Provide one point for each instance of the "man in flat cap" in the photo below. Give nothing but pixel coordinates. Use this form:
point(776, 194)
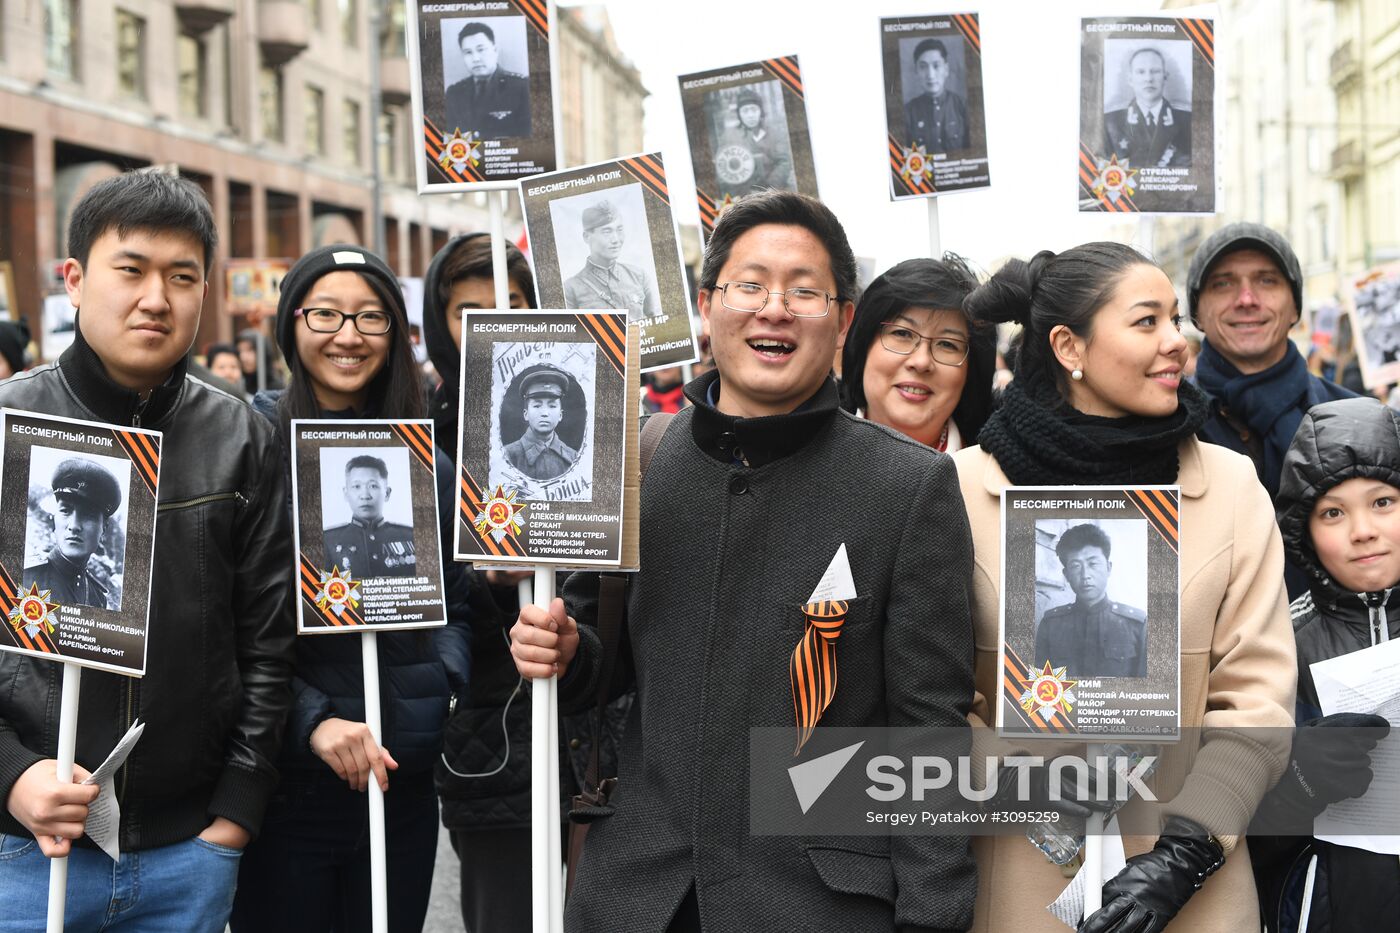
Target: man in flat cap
point(604, 282)
point(86, 495)
point(367, 545)
point(539, 453)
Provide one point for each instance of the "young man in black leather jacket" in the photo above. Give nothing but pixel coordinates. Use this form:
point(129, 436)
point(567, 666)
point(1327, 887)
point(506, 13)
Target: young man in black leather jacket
point(218, 667)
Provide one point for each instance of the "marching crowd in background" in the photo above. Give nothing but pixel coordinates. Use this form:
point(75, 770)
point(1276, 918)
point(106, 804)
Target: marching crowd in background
point(243, 802)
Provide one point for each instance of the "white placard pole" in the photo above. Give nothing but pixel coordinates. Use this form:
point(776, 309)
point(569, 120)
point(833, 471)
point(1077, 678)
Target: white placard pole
point(544, 787)
point(378, 871)
point(1093, 844)
point(497, 201)
point(67, 741)
point(935, 238)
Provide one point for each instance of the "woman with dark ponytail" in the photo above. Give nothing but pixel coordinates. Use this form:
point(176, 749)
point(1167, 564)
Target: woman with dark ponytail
point(1099, 399)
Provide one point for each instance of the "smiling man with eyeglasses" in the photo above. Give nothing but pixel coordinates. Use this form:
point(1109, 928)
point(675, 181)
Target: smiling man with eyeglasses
point(749, 494)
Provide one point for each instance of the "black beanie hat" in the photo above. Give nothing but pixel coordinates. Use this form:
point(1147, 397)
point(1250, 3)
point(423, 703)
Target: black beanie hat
point(338, 257)
point(14, 339)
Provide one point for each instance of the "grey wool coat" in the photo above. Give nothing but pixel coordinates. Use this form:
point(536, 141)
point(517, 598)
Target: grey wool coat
point(730, 553)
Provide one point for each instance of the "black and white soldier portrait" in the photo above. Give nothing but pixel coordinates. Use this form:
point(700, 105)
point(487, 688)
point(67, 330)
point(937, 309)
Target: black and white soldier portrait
point(749, 138)
point(486, 77)
point(1147, 102)
point(603, 236)
point(1099, 631)
point(935, 102)
point(1375, 319)
point(538, 452)
point(367, 511)
point(543, 414)
point(75, 539)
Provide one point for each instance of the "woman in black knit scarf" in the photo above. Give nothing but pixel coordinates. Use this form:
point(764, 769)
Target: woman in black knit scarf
point(1099, 399)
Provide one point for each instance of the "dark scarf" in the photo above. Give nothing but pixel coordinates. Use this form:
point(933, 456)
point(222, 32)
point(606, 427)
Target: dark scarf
point(113, 403)
point(1271, 403)
point(1039, 440)
point(755, 441)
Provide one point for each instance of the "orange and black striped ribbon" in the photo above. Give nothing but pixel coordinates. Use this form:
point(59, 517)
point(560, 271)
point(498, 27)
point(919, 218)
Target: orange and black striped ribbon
point(1088, 172)
point(709, 213)
point(144, 452)
point(1202, 35)
point(609, 331)
point(1016, 677)
point(813, 665)
point(10, 594)
point(537, 13)
point(915, 185)
point(786, 70)
point(433, 141)
point(418, 438)
point(1159, 507)
point(967, 24)
point(649, 170)
point(469, 505)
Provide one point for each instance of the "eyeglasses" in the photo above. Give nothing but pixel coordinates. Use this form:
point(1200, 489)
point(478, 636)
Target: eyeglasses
point(950, 351)
point(751, 299)
point(330, 321)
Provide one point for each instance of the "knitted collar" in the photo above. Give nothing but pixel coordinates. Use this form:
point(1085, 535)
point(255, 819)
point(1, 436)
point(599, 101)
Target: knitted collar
point(1039, 440)
point(756, 441)
point(82, 368)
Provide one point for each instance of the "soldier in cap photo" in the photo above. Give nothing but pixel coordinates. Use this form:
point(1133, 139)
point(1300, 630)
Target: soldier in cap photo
point(492, 102)
point(605, 282)
point(539, 453)
point(755, 155)
point(367, 545)
point(1092, 636)
point(85, 496)
point(936, 118)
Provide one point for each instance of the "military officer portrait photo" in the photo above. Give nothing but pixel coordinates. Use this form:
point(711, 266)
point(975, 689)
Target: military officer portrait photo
point(1376, 301)
point(544, 421)
point(935, 93)
point(75, 537)
point(1147, 102)
point(604, 248)
point(1099, 631)
point(367, 511)
point(749, 139)
point(486, 77)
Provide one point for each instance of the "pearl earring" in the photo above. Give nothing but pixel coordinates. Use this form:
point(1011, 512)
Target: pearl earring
point(1077, 374)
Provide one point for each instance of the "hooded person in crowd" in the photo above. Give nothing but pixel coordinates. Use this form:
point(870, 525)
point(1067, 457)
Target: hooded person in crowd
point(14, 347)
point(1339, 512)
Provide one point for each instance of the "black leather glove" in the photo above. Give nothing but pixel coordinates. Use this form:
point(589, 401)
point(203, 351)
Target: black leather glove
point(1153, 887)
point(1331, 761)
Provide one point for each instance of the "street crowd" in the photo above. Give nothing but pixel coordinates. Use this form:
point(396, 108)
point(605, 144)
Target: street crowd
point(243, 803)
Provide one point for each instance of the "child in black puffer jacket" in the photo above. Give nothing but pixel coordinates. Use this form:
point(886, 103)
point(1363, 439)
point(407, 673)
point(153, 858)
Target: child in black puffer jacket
point(1339, 512)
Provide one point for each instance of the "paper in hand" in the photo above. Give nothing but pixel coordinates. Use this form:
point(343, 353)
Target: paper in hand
point(836, 583)
point(1069, 906)
point(105, 813)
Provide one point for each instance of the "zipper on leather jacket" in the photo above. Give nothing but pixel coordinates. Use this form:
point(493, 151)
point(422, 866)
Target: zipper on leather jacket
point(202, 500)
point(129, 688)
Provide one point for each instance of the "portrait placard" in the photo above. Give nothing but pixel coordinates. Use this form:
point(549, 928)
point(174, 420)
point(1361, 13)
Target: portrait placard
point(365, 510)
point(604, 239)
point(747, 126)
point(1090, 628)
point(544, 435)
point(482, 84)
point(1147, 108)
point(85, 549)
point(1373, 307)
point(936, 126)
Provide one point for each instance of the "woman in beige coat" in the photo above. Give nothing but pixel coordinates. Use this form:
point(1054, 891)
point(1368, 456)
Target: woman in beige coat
point(1099, 399)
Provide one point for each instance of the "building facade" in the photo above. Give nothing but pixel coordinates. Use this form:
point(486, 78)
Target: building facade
point(1310, 136)
point(265, 103)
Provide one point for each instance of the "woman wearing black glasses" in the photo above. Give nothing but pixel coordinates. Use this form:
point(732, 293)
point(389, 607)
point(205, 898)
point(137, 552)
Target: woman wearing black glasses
point(343, 329)
point(914, 362)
